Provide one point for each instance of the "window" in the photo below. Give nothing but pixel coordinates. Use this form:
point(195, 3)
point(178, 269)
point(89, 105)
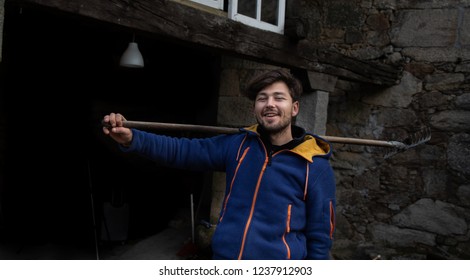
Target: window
point(263, 14)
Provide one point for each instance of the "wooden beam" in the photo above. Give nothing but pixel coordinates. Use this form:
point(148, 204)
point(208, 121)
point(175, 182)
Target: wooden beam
point(176, 21)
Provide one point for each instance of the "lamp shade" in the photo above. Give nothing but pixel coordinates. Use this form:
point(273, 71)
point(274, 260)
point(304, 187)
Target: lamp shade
point(132, 57)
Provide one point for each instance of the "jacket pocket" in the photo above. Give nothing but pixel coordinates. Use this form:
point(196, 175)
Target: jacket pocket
point(289, 209)
point(331, 217)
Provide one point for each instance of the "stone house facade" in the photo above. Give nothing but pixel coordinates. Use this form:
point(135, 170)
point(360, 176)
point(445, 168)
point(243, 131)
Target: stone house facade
point(413, 205)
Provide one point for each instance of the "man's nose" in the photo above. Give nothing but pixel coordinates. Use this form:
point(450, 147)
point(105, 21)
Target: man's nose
point(270, 102)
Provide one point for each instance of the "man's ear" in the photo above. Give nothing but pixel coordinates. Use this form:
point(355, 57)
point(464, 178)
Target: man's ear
point(295, 108)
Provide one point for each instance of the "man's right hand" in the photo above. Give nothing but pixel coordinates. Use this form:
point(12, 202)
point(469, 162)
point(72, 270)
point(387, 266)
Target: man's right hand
point(116, 130)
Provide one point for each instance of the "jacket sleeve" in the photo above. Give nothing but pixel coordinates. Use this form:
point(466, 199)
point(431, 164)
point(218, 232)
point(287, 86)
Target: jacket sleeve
point(198, 154)
point(321, 203)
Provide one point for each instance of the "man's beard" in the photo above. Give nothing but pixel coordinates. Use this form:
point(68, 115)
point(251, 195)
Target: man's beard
point(274, 128)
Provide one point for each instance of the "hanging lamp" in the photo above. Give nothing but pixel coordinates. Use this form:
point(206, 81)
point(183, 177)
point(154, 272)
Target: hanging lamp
point(132, 57)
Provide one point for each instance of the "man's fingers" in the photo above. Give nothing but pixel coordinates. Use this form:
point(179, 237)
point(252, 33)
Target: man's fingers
point(113, 120)
point(106, 130)
point(119, 130)
point(119, 119)
point(113, 123)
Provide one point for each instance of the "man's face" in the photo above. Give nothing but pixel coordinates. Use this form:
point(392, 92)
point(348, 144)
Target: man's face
point(274, 108)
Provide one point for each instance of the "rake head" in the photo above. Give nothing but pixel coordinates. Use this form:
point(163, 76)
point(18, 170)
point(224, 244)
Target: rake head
point(414, 139)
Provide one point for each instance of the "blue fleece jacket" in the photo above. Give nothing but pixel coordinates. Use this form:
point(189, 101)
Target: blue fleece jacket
point(279, 206)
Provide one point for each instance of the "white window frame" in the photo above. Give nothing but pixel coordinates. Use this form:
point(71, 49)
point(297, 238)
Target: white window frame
point(216, 4)
point(256, 22)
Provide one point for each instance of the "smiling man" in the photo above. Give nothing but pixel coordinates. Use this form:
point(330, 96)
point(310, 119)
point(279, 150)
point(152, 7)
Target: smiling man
point(274, 110)
point(280, 188)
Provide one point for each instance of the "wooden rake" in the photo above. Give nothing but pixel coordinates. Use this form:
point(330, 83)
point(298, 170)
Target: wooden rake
point(393, 147)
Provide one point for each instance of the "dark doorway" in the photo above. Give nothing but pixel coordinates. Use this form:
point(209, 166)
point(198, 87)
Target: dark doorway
point(59, 76)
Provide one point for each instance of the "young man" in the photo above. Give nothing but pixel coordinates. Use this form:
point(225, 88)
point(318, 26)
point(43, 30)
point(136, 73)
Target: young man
point(280, 194)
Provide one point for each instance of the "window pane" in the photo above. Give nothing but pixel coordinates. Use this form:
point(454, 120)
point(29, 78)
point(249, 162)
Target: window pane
point(269, 11)
point(247, 8)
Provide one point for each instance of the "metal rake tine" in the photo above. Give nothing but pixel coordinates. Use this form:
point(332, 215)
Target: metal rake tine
point(391, 152)
point(415, 139)
point(420, 137)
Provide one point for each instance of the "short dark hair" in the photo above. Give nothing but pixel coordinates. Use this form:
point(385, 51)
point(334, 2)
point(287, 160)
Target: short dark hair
point(265, 79)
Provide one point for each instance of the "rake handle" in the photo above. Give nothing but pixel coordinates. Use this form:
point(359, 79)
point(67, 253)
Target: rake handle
point(230, 130)
point(180, 127)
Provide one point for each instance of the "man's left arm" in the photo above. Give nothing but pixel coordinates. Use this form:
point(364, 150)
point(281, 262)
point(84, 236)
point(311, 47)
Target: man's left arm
point(320, 205)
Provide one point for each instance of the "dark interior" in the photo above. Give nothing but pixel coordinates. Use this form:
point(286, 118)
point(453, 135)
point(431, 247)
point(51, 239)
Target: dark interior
point(59, 76)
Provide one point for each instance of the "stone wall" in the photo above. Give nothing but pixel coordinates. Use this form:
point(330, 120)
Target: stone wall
point(415, 204)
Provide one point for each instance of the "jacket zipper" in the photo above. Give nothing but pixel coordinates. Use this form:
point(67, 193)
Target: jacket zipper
point(270, 155)
point(253, 203)
point(332, 219)
point(231, 183)
point(289, 210)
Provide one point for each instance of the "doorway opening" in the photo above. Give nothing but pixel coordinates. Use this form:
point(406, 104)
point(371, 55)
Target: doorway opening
point(64, 183)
